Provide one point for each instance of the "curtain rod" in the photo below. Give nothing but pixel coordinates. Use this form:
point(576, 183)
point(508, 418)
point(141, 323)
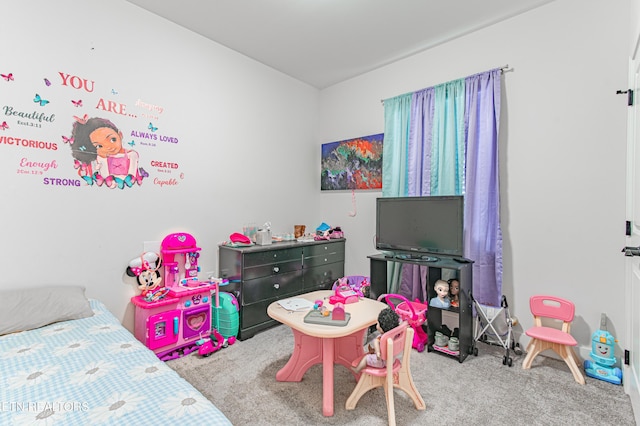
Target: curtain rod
point(503, 69)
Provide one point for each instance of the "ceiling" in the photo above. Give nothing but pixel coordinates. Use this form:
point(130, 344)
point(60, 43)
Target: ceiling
point(324, 42)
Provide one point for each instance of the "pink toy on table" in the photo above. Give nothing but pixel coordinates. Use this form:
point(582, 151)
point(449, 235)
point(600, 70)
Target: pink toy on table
point(338, 313)
point(349, 289)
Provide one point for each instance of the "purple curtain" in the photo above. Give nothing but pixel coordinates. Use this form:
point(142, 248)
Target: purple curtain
point(413, 277)
point(483, 235)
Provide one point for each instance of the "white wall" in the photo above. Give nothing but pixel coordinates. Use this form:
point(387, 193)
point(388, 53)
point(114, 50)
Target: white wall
point(250, 141)
point(246, 134)
point(563, 139)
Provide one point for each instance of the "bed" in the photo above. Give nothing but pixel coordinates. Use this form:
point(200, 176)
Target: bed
point(89, 370)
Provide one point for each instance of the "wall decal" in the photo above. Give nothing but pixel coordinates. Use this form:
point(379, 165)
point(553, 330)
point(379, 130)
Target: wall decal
point(97, 146)
point(352, 164)
point(69, 130)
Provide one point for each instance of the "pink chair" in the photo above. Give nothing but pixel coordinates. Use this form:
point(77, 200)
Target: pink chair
point(396, 373)
point(557, 339)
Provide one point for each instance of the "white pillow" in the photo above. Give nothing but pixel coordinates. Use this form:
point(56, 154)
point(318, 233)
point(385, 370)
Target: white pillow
point(30, 308)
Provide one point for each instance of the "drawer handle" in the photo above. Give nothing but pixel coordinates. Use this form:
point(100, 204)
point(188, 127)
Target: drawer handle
point(276, 286)
point(276, 269)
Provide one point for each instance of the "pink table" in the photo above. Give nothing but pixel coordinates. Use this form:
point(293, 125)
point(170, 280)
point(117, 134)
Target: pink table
point(326, 344)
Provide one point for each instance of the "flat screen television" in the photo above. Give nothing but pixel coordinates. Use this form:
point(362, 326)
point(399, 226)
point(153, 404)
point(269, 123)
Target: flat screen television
point(420, 227)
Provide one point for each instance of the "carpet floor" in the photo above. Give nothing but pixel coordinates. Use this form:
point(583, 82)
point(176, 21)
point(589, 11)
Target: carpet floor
point(240, 381)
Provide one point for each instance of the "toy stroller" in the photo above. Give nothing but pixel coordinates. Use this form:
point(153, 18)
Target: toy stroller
point(494, 330)
point(415, 313)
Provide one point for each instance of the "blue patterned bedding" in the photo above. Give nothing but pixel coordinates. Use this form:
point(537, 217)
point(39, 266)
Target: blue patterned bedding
point(93, 371)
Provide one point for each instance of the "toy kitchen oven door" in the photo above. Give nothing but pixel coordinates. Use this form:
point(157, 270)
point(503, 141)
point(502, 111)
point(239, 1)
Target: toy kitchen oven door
point(172, 333)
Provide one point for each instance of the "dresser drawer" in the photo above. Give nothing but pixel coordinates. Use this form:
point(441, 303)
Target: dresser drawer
point(324, 249)
point(271, 287)
point(274, 269)
point(255, 314)
point(322, 277)
point(272, 256)
point(310, 262)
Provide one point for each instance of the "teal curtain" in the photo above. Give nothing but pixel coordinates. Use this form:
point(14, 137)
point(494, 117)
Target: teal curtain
point(447, 152)
point(394, 166)
point(394, 149)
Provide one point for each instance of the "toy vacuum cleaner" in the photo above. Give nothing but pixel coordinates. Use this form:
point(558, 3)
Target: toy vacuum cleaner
point(602, 349)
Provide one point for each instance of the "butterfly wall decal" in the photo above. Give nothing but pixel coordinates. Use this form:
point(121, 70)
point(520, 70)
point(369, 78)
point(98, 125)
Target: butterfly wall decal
point(143, 172)
point(114, 92)
point(128, 181)
point(67, 140)
point(83, 168)
point(77, 103)
point(109, 180)
point(4, 125)
point(40, 100)
point(153, 129)
point(132, 143)
point(47, 82)
point(81, 120)
point(7, 77)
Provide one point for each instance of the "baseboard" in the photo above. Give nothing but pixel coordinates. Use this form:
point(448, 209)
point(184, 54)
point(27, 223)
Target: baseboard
point(632, 388)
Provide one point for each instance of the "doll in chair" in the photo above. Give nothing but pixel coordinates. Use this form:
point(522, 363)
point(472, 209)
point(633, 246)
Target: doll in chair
point(388, 319)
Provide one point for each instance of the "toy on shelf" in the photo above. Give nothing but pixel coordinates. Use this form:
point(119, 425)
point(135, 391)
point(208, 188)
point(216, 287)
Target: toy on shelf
point(602, 353)
point(441, 300)
point(454, 292)
point(171, 317)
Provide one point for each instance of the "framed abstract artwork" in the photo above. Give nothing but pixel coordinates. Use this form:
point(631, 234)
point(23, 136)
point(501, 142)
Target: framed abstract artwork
point(352, 163)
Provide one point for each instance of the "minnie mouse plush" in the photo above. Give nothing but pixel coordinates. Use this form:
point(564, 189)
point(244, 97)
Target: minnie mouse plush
point(147, 270)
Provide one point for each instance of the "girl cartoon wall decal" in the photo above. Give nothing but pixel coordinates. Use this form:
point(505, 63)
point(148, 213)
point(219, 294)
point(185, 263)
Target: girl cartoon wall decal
point(100, 156)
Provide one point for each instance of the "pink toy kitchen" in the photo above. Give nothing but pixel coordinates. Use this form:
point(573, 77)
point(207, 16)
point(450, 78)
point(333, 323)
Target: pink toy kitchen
point(175, 323)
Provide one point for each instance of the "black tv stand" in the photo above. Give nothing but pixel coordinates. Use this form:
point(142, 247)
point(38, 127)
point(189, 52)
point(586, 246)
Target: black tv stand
point(412, 256)
point(460, 317)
